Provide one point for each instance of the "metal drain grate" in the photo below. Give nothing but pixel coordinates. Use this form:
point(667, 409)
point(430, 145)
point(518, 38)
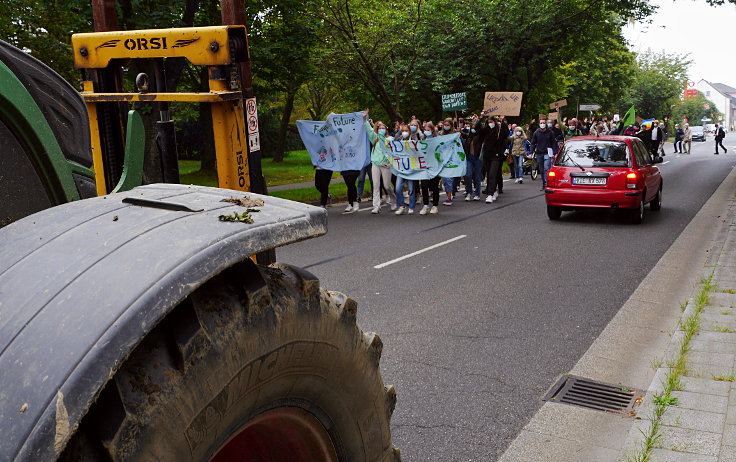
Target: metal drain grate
point(579, 391)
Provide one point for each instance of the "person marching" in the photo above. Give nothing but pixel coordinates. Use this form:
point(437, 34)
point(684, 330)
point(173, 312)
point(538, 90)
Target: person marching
point(474, 170)
point(518, 152)
point(688, 139)
point(494, 138)
point(380, 168)
point(405, 136)
point(431, 185)
point(679, 135)
point(543, 144)
point(720, 134)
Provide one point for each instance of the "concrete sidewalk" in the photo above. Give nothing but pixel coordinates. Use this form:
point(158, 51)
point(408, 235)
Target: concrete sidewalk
point(633, 351)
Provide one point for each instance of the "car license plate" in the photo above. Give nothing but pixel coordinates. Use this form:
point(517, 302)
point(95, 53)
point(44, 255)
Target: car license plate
point(589, 180)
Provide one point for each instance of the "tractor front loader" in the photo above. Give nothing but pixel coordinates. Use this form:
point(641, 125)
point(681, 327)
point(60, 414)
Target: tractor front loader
point(134, 323)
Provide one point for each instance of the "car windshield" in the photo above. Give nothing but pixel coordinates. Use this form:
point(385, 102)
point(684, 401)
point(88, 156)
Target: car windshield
point(697, 129)
point(594, 153)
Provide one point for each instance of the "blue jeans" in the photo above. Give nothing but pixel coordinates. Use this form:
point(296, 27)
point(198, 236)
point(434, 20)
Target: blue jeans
point(361, 178)
point(473, 175)
point(543, 168)
point(400, 192)
point(519, 166)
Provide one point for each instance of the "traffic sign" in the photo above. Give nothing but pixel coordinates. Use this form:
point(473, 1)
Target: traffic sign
point(590, 107)
point(251, 107)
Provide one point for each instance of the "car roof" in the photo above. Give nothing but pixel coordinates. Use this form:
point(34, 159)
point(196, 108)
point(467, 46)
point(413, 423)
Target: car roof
point(605, 138)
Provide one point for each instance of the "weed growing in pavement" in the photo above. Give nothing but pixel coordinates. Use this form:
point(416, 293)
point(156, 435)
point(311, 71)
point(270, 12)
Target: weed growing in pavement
point(683, 305)
point(656, 363)
point(724, 378)
point(724, 329)
point(673, 379)
point(726, 312)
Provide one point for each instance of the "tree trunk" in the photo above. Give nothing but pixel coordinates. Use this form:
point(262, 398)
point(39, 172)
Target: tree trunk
point(278, 153)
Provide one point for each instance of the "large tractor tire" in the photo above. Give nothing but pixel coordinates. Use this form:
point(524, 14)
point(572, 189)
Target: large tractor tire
point(258, 364)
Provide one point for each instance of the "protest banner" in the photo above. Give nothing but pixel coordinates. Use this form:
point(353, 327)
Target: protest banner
point(455, 102)
point(553, 116)
point(425, 159)
point(340, 143)
point(542, 117)
point(506, 103)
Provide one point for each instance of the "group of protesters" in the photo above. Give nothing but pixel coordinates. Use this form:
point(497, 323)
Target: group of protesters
point(488, 143)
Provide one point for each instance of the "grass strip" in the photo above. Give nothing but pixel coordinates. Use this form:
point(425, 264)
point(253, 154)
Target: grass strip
point(673, 379)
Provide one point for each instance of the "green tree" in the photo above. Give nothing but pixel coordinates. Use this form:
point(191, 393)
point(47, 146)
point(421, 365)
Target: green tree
point(658, 81)
point(695, 110)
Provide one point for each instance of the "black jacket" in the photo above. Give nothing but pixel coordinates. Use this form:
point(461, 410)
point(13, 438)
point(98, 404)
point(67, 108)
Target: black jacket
point(541, 140)
point(493, 139)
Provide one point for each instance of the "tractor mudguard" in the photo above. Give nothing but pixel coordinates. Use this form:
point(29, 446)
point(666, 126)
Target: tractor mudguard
point(82, 284)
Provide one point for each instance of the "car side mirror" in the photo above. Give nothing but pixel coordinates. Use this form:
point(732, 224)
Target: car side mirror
point(658, 160)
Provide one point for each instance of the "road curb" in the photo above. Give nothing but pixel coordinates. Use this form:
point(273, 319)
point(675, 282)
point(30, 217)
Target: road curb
point(625, 352)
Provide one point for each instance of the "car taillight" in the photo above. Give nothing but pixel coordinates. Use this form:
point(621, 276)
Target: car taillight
point(551, 179)
point(631, 180)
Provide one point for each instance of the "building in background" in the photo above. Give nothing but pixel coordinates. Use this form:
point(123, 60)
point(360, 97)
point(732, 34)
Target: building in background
point(724, 97)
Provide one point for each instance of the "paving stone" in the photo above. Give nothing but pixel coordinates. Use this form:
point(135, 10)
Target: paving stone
point(692, 441)
point(727, 327)
point(706, 386)
point(731, 416)
point(697, 344)
point(701, 402)
point(695, 420)
point(697, 358)
point(664, 455)
point(729, 435)
point(722, 299)
point(718, 314)
point(725, 337)
point(708, 371)
point(728, 454)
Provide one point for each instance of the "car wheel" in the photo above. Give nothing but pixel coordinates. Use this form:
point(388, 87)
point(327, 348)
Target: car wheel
point(656, 203)
point(637, 215)
point(554, 212)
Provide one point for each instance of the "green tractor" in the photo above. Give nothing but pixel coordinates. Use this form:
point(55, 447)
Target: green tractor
point(134, 323)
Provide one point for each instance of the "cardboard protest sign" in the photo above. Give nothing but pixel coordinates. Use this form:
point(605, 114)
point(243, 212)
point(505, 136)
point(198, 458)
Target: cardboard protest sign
point(340, 143)
point(553, 116)
point(425, 159)
point(455, 102)
point(507, 103)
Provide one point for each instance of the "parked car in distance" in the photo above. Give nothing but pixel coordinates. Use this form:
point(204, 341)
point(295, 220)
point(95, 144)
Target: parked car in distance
point(698, 133)
point(613, 172)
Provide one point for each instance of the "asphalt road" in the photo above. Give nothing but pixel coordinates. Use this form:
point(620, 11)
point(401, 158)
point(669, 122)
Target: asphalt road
point(476, 330)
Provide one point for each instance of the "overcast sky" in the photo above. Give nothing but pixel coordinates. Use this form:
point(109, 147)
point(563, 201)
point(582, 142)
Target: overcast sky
point(691, 26)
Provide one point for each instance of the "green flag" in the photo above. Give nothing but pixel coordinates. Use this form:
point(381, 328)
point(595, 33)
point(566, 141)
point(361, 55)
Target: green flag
point(629, 118)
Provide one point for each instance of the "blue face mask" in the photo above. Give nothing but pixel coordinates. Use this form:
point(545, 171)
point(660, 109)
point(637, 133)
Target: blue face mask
point(413, 128)
point(382, 131)
point(427, 133)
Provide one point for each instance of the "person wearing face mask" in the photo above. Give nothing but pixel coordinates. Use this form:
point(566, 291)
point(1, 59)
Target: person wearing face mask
point(431, 185)
point(679, 135)
point(474, 168)
point(543, 144)
point(494, 137)
point(448, 183)
point(572, 129)
point(406, 136)
point(654, 136)
point(380, 167)
point(518, 152)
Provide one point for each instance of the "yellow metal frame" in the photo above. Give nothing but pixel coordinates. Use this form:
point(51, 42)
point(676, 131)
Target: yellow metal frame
point(202, 46)
point(96, 50)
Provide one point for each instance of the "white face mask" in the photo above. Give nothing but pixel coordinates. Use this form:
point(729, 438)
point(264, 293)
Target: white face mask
point(405, 134)
point(472, 130)
point(447, 128)
point(518, 132)
point(492, 125)
point(549, 125)
point(427, 132)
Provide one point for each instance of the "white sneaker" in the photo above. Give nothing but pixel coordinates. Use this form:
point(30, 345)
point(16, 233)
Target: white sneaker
point(411, 212)
point(349, 209)
point(424, 210)
point(376, 210)
point(489, 199)
point(476, 198)
point(434, 210)
point(356, 207)
point(518, 180)
point(393, 207)
point(521, 180)
point(468, 197)
point(400, 210)
point(495, 195)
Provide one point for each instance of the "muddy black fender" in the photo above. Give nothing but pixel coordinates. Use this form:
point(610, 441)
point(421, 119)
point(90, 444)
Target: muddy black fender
point(81, 284)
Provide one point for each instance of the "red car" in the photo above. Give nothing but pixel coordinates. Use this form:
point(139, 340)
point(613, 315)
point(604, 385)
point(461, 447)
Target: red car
point(613, 172)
